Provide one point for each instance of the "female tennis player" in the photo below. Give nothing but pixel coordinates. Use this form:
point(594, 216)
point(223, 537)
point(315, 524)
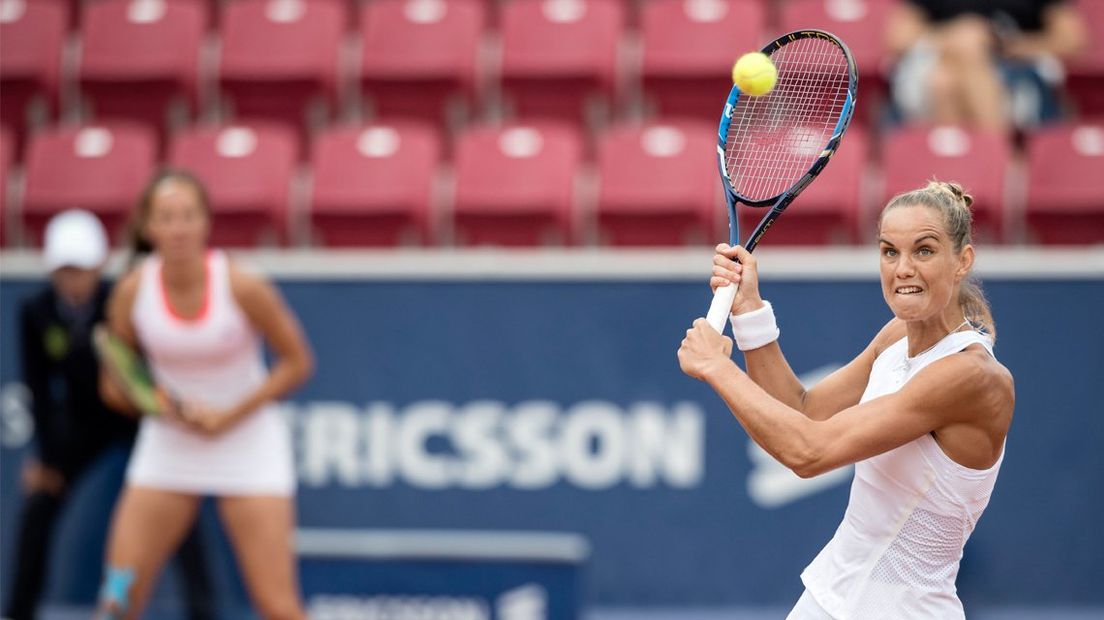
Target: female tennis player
point(922, 412)
point(200, 320)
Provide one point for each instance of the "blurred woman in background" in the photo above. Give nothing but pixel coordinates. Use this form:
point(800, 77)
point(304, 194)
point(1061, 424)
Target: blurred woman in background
point(201, 322)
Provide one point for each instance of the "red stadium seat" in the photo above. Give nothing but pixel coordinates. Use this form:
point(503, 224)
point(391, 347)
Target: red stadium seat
point(373, 185)
point(1086, 74)
point(7, 153)
point(32, 35)
point(828, 210)
point(689, 48)
point(659, 183)
point(977, 160)
point(418, 55)
point(280, 55)
point(248, 171)
point(139, 56)
point(861, 25)
point(99, 168)
point(557, 55)
point(515, 184)
point(1065, 199)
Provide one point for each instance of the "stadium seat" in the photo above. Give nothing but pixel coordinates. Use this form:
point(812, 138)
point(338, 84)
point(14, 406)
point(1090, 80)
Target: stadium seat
point(99, 168)
point(7, 153)
point(658, 183)
point(1086, 74)
point(689, 47)
point(977, 160)
point(280, 55)
point(828, 210)
point(1065, 199)
point(418, 55)
point(373, 185)
point(248, 171)
point(558, 55)
point(139, 56)
point(860, 23)
point(515, 184)
point(32, 36)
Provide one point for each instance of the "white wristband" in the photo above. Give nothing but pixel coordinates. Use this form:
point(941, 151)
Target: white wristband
point(755, 329)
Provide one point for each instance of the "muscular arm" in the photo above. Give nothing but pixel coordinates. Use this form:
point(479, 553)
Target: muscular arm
point(964, 388)
point(768, 368)
point(266, 310)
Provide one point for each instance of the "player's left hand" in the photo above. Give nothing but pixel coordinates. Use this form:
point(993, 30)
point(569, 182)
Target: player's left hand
point(205, 420)
point(703, 350)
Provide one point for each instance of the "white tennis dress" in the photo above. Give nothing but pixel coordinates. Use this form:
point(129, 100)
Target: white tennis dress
point(895, 556)
point(215, 360)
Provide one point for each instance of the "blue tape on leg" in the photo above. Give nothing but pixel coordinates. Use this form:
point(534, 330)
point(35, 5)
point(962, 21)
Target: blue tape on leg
point(116, 589)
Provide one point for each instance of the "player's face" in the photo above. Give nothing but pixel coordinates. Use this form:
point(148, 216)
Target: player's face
point(177, 223)
point(74, 285)
point(919, 265)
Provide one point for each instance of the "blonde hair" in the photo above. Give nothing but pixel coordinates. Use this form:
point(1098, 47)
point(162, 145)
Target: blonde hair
point(952, 201)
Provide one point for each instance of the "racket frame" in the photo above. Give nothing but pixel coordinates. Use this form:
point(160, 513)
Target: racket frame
point(720, 308)
point(103, 340)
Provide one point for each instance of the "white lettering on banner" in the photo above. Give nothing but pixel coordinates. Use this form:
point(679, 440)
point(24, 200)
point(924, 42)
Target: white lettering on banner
point(486, 444)
point(527, 602)
point(420, 422)
point(347, 607)
point(16, 421)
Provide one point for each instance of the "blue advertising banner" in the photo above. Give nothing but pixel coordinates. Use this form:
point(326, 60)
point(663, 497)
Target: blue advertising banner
point(559, 406)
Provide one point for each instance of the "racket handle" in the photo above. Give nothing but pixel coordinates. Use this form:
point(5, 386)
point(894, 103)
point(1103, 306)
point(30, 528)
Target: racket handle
point(721, 307)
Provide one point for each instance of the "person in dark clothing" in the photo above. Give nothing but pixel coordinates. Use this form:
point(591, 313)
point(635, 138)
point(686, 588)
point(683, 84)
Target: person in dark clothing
point(988, 64)
point(73, 426)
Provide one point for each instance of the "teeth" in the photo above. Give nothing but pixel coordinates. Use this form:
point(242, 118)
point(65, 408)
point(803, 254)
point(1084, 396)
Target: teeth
point(907, 290)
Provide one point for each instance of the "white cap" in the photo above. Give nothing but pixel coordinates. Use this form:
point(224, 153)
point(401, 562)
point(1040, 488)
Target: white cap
point(75, 238)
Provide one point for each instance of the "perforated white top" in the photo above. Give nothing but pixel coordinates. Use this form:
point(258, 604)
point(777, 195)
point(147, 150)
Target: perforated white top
point(896, 553)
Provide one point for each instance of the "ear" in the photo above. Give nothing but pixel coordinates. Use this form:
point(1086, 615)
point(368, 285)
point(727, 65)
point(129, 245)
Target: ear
point(965, 262)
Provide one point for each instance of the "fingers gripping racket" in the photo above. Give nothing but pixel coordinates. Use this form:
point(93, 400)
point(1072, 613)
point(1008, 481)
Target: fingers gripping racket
point(129, 371)
point(769, 148)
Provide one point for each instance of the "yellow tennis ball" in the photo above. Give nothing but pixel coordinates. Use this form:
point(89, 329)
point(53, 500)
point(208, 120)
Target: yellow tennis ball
point(755, 74)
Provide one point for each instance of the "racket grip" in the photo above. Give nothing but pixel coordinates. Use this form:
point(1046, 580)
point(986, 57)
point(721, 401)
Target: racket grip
point(721, 307)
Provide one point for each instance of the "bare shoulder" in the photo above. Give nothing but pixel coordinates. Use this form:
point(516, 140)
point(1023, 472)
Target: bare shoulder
point(891, 332)
point(125, 291)
point(246, 282)
point(971, 383)
point(253, 291)
point(990, 376)
point(121, 303)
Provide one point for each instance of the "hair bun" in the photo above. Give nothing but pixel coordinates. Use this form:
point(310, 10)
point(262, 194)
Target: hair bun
point(954, 189)
point(959, 193)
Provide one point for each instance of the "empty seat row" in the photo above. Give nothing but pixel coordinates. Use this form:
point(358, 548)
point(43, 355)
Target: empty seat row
point(414, 57)
point(531, 184)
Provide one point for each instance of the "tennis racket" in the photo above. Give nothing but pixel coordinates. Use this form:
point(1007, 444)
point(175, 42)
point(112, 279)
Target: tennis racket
point(129, 371)
point(769, 148)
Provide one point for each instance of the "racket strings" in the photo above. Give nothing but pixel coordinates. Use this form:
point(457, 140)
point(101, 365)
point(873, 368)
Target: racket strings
point(774, 139)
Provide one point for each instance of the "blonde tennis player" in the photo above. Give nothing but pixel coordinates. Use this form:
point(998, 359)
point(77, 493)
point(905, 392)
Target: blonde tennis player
point(922, 412)
point(201, 322)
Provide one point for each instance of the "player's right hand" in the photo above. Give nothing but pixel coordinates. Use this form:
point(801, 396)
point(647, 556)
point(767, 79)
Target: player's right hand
point(735, 265)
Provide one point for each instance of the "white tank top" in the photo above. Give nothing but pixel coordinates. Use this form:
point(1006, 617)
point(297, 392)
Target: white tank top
point(896, 553)
point(215, 359)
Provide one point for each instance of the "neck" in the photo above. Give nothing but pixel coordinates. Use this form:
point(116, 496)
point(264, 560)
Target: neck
point(182, 273)
point(924, 334)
